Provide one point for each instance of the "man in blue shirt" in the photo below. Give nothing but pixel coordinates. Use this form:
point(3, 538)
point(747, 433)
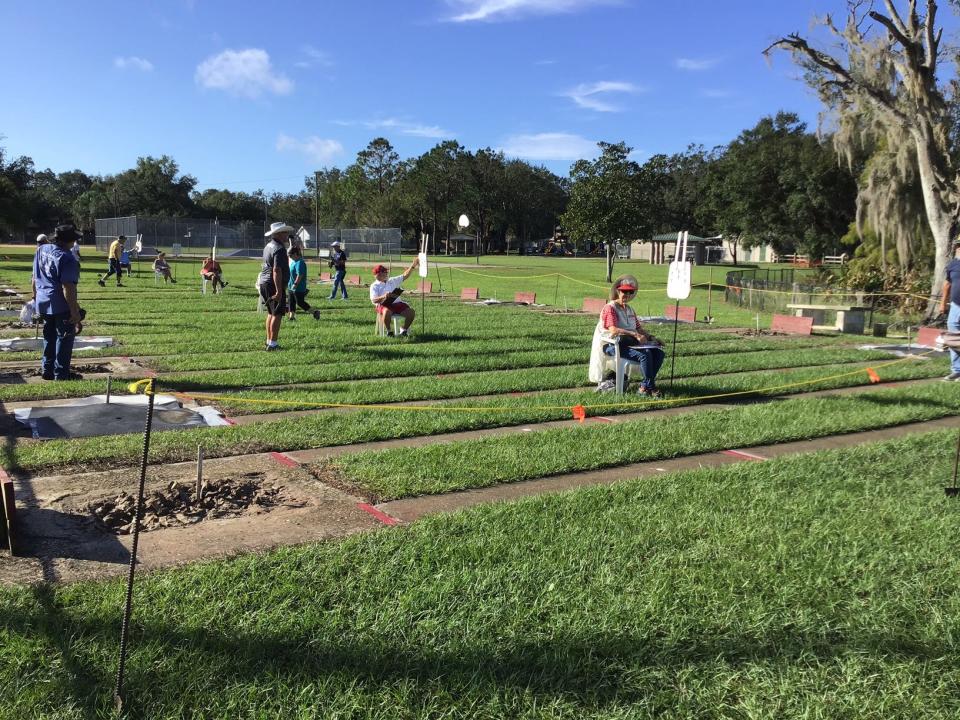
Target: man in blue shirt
point(55, 276)
point(950, 304)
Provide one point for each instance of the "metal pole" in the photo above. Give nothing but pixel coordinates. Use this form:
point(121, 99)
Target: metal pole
point(316, 208)
point(710, 298)
point(556, 290)
point(673, 353)
point(953, 490)
point(138, 516)
point(199, 472)
point(109, 383)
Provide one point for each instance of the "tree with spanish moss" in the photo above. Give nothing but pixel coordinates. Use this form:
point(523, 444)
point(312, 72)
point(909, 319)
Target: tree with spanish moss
point(895, 115)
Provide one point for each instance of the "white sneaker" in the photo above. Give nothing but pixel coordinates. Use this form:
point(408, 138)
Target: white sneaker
point(403, 331)
point(952, 377)
point(606, 386)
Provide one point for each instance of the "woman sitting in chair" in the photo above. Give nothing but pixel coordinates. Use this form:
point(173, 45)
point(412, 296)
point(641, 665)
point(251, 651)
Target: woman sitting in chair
point(162, 268)
point(620, 326)
point(210, 270)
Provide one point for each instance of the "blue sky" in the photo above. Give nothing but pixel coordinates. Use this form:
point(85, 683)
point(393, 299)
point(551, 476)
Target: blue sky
point(248, 95)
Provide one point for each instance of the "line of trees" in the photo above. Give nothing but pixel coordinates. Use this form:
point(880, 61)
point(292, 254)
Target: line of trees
point(776, 183)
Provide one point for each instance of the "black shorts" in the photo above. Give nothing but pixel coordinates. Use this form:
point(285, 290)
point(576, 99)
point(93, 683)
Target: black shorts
point(275, 307)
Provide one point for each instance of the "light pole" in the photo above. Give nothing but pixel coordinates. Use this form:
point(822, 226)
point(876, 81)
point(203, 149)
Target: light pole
point(463, 222)
point(316, 208)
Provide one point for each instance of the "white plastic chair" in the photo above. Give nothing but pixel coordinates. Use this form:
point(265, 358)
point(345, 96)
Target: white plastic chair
point(203, 290)
point(381, 328)
point(622, 366)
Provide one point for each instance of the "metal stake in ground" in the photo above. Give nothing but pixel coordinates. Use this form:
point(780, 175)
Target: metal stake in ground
point(148, 389)
point(678, 288)
point(673, 352)
point(953, 490)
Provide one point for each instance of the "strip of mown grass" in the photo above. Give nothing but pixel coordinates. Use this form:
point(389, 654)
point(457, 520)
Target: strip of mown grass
point(329, 351)
point(526, 380)
point(801, 587)
point(488, 461)
point(345, 428)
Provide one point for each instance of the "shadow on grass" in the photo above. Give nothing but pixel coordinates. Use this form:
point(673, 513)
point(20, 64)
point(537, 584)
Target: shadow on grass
point(591, 669)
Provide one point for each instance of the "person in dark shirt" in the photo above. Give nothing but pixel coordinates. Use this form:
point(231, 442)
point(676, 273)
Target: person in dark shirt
point(55, 276)
point(950, 305)
point(273, 280)
point(338, 261)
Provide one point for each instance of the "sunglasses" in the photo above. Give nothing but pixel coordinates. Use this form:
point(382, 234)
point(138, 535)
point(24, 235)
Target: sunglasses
point(625, 291)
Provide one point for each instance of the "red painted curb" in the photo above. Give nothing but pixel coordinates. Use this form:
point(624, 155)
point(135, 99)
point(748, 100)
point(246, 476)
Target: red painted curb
point(742, 454)
point(381, 516)
point(284, 459)
point(228, 421)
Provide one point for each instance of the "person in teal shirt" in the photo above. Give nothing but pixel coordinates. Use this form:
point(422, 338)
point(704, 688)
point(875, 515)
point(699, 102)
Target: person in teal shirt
point(297, 286)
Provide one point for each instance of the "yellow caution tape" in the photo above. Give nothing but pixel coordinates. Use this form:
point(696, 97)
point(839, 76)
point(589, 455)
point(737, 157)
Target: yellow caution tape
point(871, 373)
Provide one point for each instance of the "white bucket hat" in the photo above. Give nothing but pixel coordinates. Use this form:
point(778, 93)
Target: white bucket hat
point(278, 227)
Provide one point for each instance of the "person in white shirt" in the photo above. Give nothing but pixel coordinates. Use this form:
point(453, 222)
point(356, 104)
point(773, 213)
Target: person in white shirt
point(384, 298)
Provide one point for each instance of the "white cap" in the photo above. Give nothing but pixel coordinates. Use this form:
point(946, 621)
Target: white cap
point(41, 239)
point(335, 243)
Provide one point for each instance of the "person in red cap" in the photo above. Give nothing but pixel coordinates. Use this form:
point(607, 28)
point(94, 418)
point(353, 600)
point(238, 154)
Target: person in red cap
point(620, 324)
point(384, 292)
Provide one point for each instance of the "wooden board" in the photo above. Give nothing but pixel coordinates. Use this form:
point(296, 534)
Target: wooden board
point(354, 280)
point(470, 294)
point(525, 297)
point(790, 325)
point(685, 314)
point(593, 305)
point(325, 277)
point(927, 336)
point(425, 286)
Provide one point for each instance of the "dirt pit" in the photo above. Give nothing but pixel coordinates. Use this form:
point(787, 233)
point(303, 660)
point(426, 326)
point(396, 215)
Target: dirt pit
point(177, 504)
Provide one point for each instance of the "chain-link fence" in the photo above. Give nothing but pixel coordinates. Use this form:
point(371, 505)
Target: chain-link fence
point(242, 239)
point(772, 290)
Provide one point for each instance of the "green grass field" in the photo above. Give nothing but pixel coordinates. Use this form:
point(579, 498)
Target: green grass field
point(801, 587)
point(811, 586)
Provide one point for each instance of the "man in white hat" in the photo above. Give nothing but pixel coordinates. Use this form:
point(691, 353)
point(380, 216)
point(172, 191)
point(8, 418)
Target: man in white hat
point(338, 261)
point(274, 276)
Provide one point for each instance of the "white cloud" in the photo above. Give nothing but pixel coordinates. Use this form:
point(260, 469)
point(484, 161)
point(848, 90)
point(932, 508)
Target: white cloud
point(247, 73)
point(473, 10)
point(321, 150)
point(410, 128)
point(696, 65)
point(586, 95)
point(133, 63)
point(549, 146)
point(404, 127)
point(312, 57)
